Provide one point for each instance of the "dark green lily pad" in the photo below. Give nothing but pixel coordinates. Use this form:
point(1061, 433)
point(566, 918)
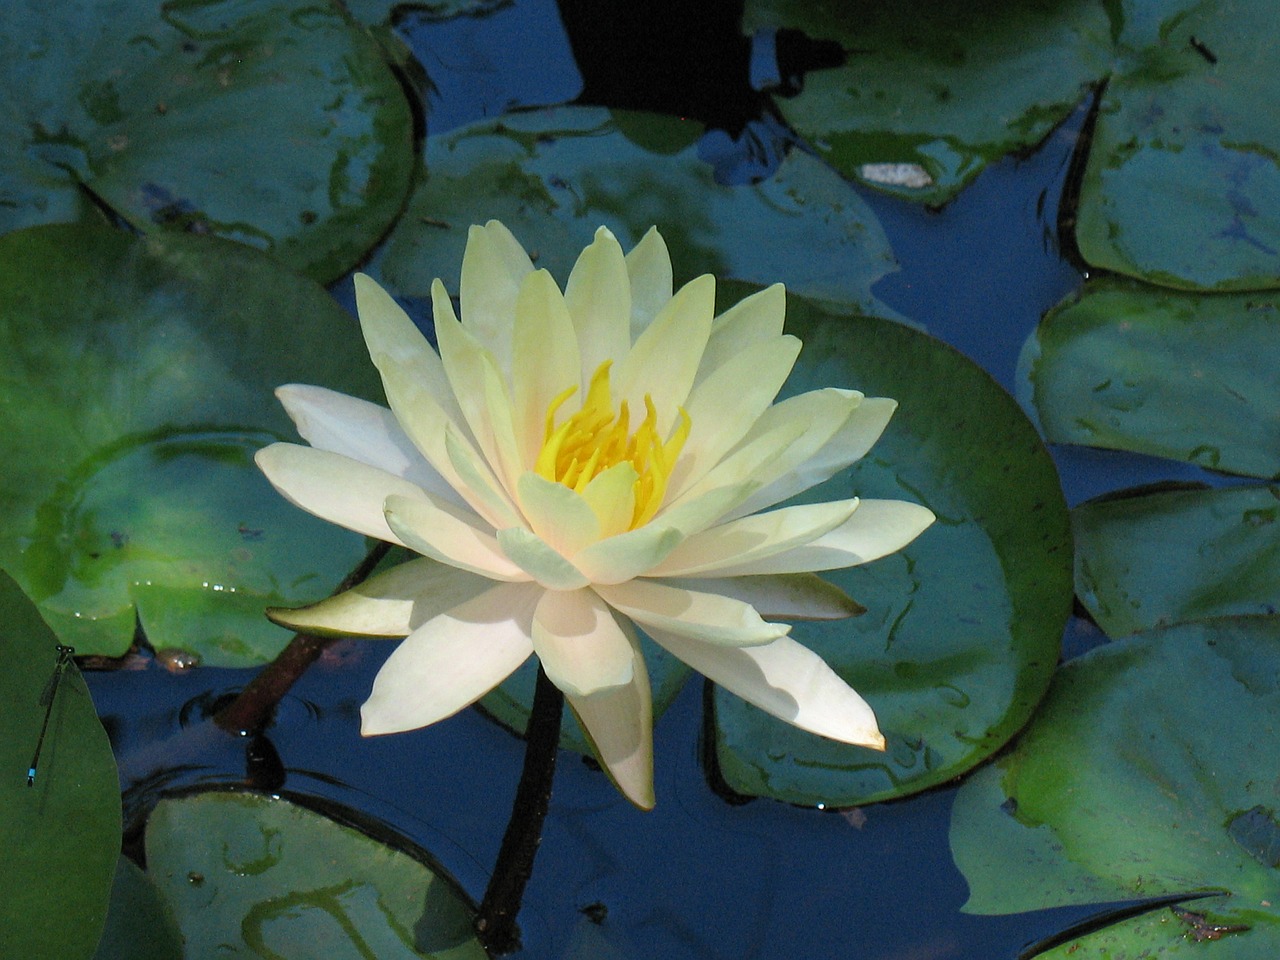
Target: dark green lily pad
point(139, 924)
point(1128, 366)
point(137, 378)
point(1144, 774)
point(554, 176)
point(261, 876)
point(1183, 179)
point(272, 122)
point(963, 627)
point(61, 832)
point(1165, 558)
point(940, 90)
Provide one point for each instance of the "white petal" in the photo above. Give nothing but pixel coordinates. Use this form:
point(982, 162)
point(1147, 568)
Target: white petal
point(393, 603)
point(335, 488)
point(547, 345)
point(493, 266)
point(790, 596)
point(579, 642)
point(452, 660)
point(756, 318)
point(361, 430)
point(787, 680)
point(560, 516)
point(649, 267)
point(690, 613)
point(437, 529)
point(539, 560)
point(611, 494)
point(877, 528)
point(618, 722)
point(598, 295)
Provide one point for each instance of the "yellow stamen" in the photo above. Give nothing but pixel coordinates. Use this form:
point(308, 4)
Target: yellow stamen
point(594, 439)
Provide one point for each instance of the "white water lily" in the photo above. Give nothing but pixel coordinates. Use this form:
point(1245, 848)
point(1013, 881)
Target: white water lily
point(572, 465)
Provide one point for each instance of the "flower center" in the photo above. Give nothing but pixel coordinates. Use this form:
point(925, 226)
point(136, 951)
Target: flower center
point(595, 439)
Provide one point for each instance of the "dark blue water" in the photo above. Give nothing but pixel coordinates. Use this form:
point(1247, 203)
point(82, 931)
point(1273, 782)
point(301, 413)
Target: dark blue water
point(698, 877)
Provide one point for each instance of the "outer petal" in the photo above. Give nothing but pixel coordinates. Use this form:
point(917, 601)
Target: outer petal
point(619, 723)
point(877, 528)
point(335, 488)
point(649, 266)
point(754, 538)
point(391, 604)
point(792, 596)
point(547, 345)
point(452, 660)
point(441, 531)
point(787, 680)
point(598, 295)
point(493, 266)
point(664, 360)
point(580, 644)
point(707, 617)
point(756, 318)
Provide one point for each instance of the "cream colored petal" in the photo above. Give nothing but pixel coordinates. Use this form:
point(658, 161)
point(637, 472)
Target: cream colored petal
point(443, 532)
point(787, 680)
point(792, 596)
point(664, 360)
point(561, 517)
point(611, 494)
point(539, 560)
point(393, 603)
point(846, 446)
point(478, 484)
point(690, 613)
point(649, 267)
point(361, 430)
point(452, 660)
point(754, 538)
point(579, 642)
point(877, 528)
point(618, 722)
point(335, 488)
point(547, 346)
point(752, 320)
point(493, 267)
point(726, 405)
point(598, 295)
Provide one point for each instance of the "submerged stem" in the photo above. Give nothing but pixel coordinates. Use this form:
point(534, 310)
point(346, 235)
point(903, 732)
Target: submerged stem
point(496, 920)
point(251, 710)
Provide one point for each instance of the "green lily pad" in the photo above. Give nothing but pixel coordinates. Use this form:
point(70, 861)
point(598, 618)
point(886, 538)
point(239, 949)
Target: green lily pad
point(1128, 366)
point(60, 832)
point(1164, 558)
point(272, 122)
point(1183, 176)
point(139, 924)
point(260, 876)
point(931, 94)
point(376, 12)
point(1144, 774)
point(137, 377)
point(553, 176)
point(963, 627)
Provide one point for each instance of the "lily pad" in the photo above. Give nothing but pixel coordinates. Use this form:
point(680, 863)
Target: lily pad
point(376, 12)
point(553, 176)
point(1144, 774)
point(137, 377)
point(937, 91)
point(1183, 178)
point(260, 876)
point(272, 122)
point(963, 626)
point(61, 831)
point(1165, 558)
point(1128, 366)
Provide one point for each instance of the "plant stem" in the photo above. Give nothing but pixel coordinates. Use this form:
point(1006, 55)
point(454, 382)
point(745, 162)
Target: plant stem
point(252, 708)
point(495, 923)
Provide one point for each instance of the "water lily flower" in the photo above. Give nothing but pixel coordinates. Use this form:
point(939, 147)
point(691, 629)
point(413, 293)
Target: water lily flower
point(573, 465)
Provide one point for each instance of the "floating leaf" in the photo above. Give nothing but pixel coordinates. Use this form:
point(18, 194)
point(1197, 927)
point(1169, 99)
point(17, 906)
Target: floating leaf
point(963, 626)
point(1169, 557)
point(553, 176)
point(61, 833)
point(1133, 367)
point(261, 876)
point(929, 95)
point(1183, 178)
point(137, 380)
point(1144, 774)
point(271, 122)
